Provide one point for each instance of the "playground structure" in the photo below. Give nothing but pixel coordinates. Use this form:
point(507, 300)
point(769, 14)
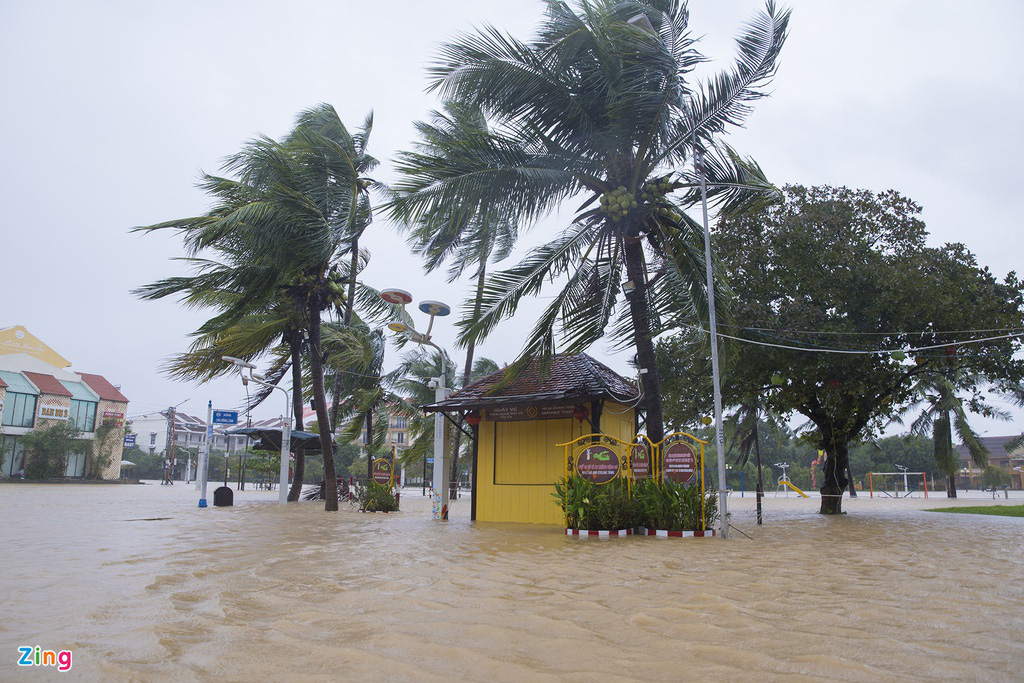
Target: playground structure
point(785, 484)
point(883, 488)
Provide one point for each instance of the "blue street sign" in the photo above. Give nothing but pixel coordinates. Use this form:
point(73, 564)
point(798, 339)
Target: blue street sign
point(430, 461)
point(129, 441)
point(225, 417)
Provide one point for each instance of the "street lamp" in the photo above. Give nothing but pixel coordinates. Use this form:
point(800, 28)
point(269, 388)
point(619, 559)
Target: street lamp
point(906, 486)
point(286, 427)
point(433, 309)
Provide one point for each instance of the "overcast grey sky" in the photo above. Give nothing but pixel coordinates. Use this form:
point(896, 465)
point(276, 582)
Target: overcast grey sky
point(110, 110)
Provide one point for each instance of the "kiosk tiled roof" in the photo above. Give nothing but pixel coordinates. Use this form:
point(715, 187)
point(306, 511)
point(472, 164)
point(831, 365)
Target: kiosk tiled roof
point(48, 384)
point(103, 388)
point(569, 378)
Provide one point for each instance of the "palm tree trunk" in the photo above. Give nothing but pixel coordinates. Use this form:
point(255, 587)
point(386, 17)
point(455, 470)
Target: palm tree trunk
point(466, 372)
point(369, 446)
point(297, 405)
point(760, 482)
point(635, 271)
point(350, 303)
point(316, 366)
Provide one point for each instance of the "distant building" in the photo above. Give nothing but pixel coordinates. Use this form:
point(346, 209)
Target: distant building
point(38, 391)
point(189, 432)
point(397, 435)
point(1012, 462)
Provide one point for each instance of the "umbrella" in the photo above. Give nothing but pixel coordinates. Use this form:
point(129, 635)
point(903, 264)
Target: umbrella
point(270, 439)
point(127, 463)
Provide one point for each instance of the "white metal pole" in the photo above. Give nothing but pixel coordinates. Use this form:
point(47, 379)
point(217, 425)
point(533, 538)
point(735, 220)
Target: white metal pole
point(440, 479)
point(204, 456)
point(286, 447)
point(723, 496)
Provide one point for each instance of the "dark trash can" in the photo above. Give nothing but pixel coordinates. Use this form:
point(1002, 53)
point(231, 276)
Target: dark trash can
point(223, 497)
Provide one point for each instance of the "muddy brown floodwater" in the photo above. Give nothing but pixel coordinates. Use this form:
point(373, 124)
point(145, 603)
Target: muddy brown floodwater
point(142, 585)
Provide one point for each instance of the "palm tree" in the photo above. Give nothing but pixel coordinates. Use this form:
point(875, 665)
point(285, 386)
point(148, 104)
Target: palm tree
point(468, 241)
point(944, 411)
point(597, 109)
point(284, 225)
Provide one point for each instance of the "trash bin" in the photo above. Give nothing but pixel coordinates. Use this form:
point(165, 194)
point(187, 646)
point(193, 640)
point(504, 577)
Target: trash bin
point(223, 497)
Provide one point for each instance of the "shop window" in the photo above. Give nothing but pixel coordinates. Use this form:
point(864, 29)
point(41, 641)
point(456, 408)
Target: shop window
point(83, 416)
point(19, 410)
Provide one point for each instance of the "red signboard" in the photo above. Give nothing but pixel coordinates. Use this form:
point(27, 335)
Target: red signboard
point(680, 462)
point(112, 417)
point(640, 461)
point(382, 471)
point(599, 464)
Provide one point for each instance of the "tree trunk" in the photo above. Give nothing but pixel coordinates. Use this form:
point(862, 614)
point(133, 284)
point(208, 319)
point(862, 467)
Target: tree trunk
point(849, 473)
point(326, 438)
point(297, 406)
point(350, 303)
point(835, 482)
point(636, 272)
point(369, 446)
point(951, 486)
point(453, 479)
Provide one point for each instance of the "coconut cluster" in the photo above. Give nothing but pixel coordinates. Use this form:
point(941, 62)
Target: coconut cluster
point(617, 203)
point(332, 286)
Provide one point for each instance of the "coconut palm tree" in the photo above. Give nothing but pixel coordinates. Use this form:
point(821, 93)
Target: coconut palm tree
point(284, 224)
point(944, 411)
point(600, 107)
point(466, 242)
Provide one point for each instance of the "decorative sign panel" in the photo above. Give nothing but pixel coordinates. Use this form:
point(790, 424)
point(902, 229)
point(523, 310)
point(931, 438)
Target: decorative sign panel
point(382, 471)
point(518, 413)
point(225, 417)
point(599, 464)
point(112, 417)
point(640, 461)
point(680, 462)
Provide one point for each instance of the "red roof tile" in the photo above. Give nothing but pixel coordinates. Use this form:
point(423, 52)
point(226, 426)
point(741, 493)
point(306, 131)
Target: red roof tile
point(104, 389)
point(2, 383)
point(47, 384)
point(578, 377)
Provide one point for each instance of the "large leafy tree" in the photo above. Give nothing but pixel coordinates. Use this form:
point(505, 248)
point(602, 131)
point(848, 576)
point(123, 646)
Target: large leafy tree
point(284, 220)
point(840, 307)
point(601, 108)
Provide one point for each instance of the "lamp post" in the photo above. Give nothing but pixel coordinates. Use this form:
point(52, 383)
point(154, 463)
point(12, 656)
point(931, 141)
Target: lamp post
point(641, 22)
point(906, 485)
point(434, 309)
point(286, 426)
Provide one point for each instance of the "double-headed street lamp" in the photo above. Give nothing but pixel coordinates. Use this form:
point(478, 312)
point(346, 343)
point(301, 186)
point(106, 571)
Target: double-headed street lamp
point(286, 427)
point(433, 309)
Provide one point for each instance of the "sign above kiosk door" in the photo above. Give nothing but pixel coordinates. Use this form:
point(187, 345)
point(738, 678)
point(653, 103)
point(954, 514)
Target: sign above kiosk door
point(518, 413)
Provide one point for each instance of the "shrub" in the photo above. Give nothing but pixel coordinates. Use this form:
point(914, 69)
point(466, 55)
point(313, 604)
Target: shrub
point(376, 497)
point(673, 506)
point(590, 506)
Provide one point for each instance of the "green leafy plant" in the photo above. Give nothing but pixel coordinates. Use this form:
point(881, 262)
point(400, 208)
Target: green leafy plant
point(376, 497)
point(589, 506)
point(673, 506)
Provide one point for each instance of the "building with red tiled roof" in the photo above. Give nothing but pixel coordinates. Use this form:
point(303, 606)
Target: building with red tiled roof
point(38, 390)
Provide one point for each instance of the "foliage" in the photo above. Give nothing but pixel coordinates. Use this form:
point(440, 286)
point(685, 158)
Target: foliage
point(99, 454)
point(600, 108)
point(46, 450)
point(674, 506)
point(995, 477)
point(836, 269)
point(376, 497)
point(589, 506)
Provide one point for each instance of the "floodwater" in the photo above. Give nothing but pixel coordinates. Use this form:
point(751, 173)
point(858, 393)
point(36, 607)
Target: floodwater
point(142, 585)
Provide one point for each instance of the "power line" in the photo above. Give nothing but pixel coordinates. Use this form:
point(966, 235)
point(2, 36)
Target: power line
point(883, 352)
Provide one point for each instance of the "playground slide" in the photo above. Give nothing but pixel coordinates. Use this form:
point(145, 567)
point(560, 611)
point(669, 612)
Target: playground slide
point(794, 488)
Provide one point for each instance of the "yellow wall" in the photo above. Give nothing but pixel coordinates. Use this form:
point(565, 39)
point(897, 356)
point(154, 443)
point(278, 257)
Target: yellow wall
point(518, 463)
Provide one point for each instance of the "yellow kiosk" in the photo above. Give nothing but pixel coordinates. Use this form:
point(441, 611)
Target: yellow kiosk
point(518, 431)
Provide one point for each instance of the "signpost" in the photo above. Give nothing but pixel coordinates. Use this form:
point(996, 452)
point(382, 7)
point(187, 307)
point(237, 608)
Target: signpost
point(219, 417)
point(129, 440)
point(224, 417)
